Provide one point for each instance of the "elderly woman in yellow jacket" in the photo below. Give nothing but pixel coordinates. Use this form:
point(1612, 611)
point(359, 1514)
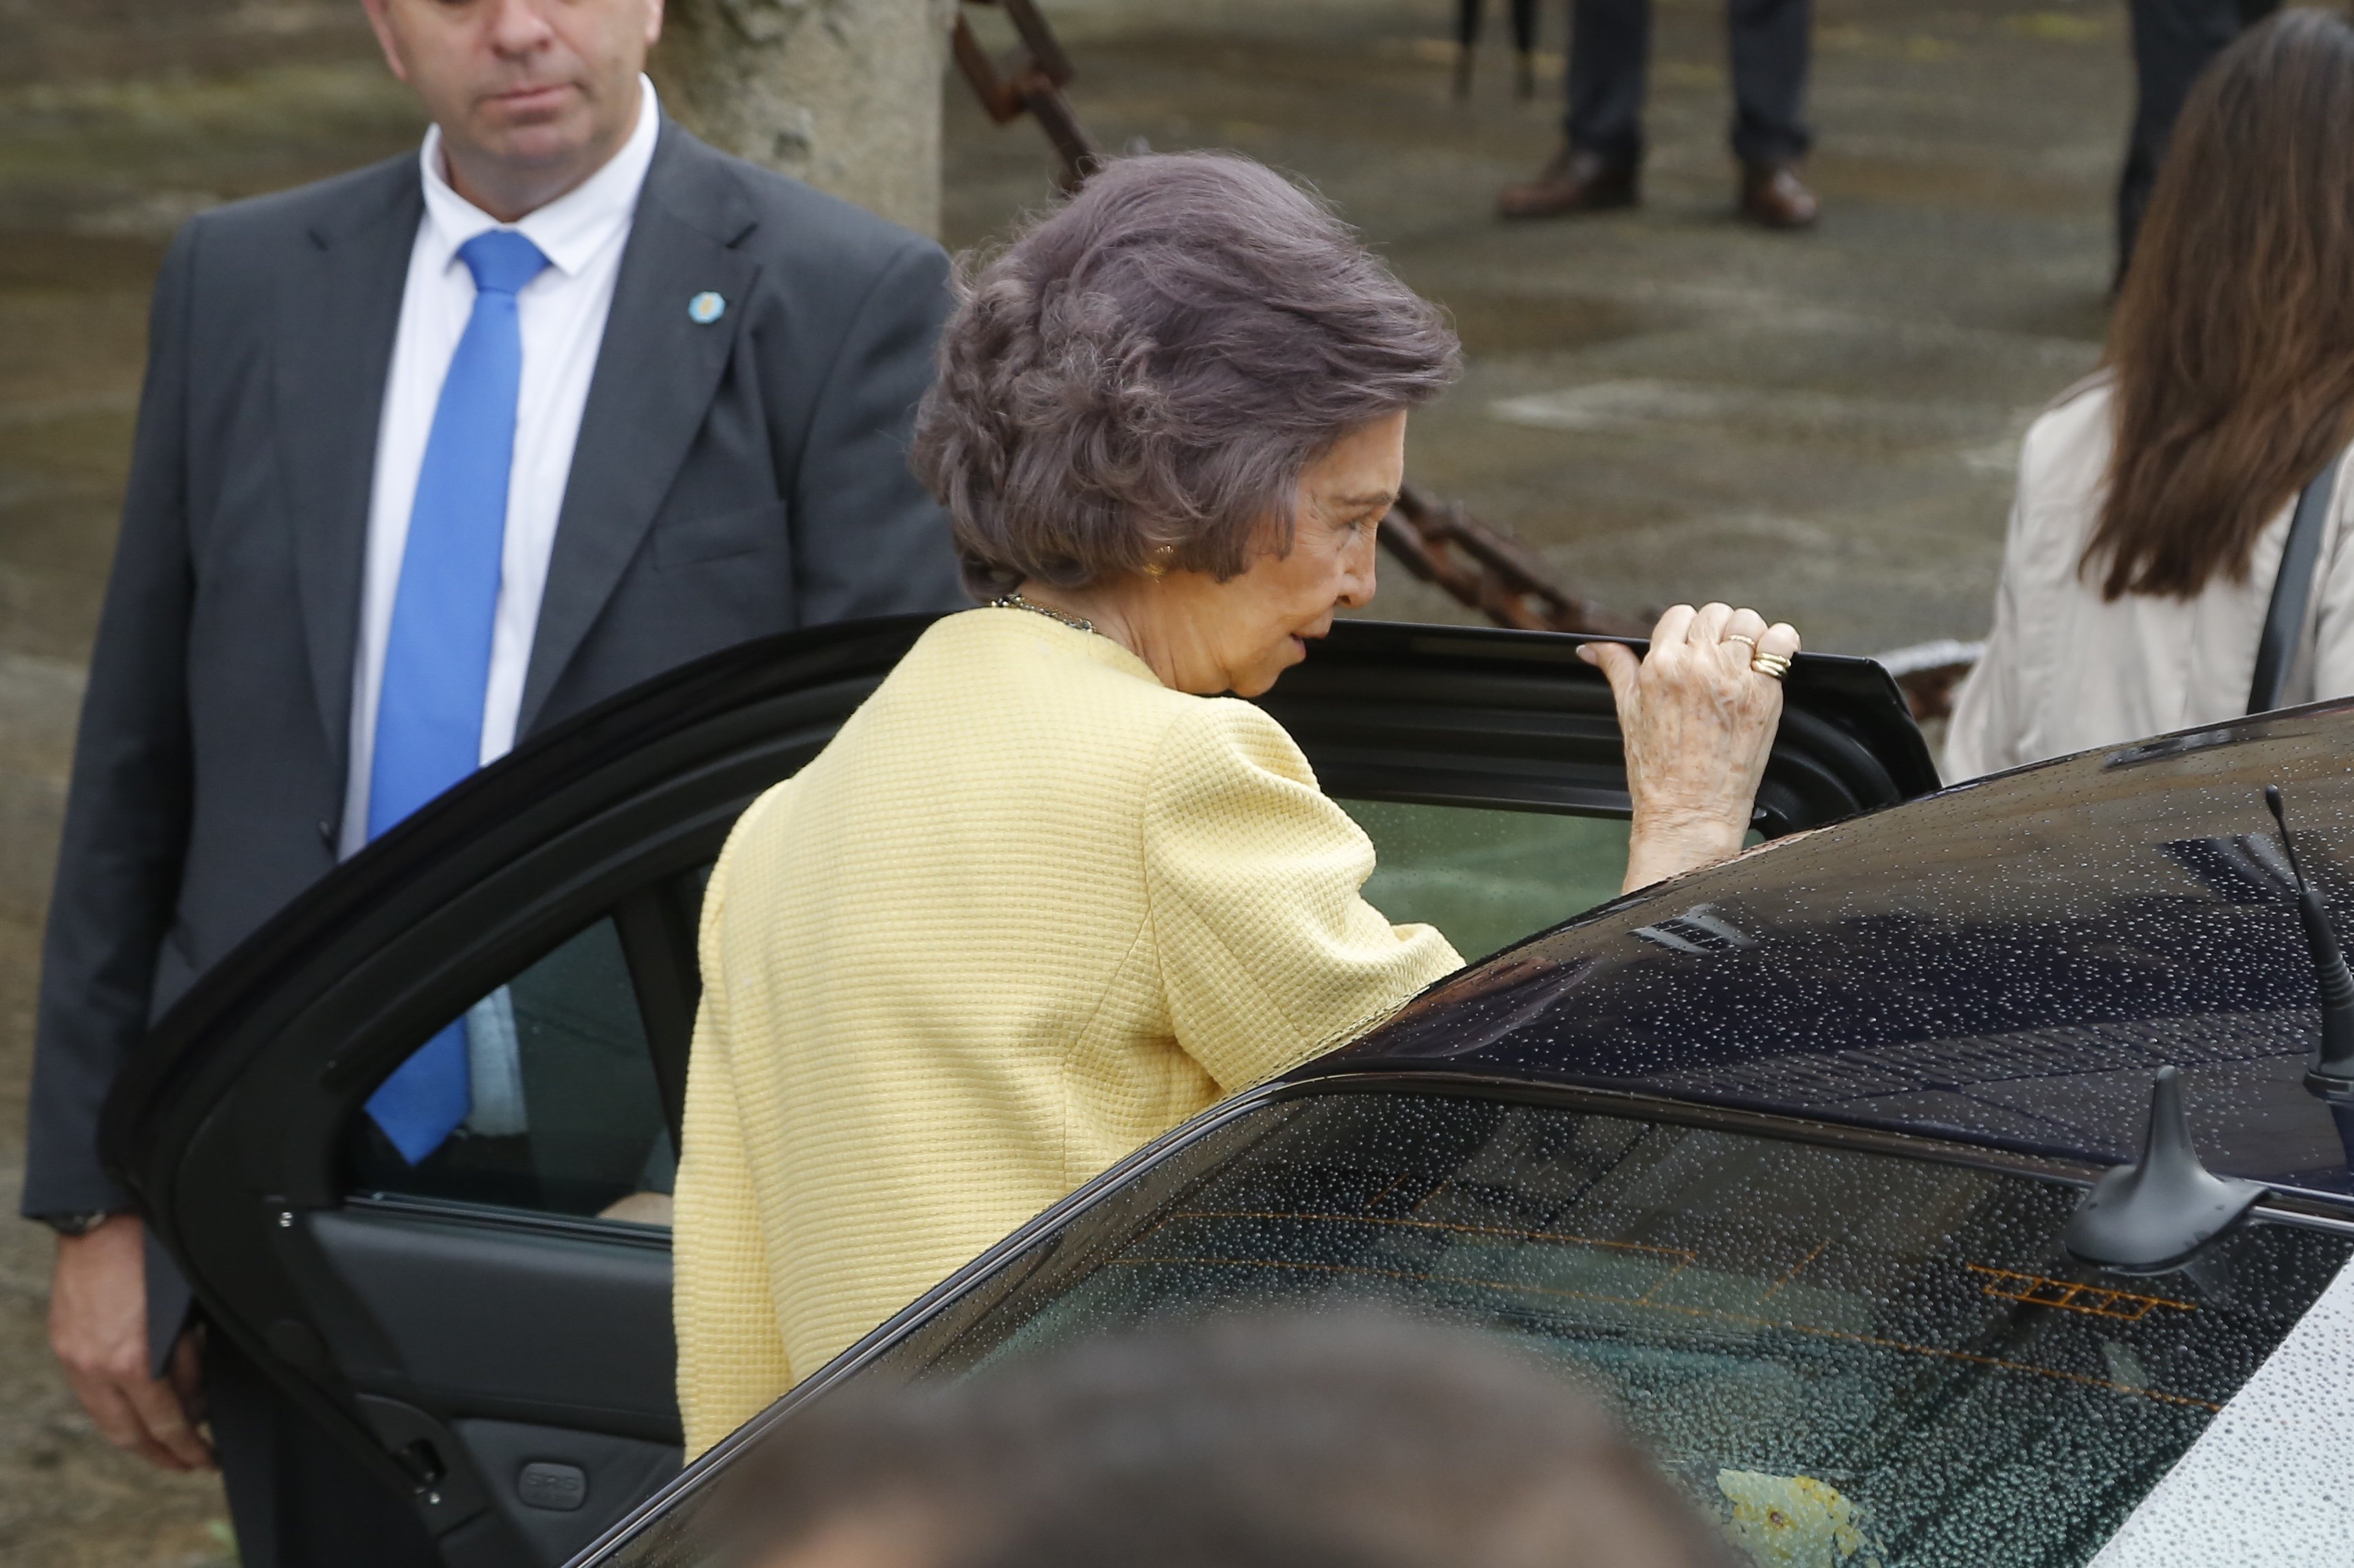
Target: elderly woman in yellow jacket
point(1050, 892)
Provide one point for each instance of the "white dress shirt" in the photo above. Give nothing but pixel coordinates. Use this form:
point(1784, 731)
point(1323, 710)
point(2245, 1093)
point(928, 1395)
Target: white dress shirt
point(561, 317)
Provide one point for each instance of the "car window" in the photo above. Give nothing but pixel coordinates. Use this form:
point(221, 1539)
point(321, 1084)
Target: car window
point(566, 1118)
point(1487, 877)
point(1888, 1355)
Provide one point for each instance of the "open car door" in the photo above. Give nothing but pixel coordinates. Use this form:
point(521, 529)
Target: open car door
point(490, 1326)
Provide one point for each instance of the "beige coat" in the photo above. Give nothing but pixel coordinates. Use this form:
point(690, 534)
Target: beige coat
point(2066, 672)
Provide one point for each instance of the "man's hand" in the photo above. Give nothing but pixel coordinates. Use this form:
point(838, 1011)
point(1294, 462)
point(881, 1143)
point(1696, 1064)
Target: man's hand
point(1699, 724)
point(97, 1327)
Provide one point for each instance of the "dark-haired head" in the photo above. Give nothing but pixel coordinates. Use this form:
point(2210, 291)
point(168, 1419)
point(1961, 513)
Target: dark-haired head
point(2233, 342)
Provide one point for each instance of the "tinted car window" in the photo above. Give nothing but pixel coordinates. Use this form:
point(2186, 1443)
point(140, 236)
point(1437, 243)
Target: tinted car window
point(567, 1117)
point(1886, 1354)
point(1487, 878)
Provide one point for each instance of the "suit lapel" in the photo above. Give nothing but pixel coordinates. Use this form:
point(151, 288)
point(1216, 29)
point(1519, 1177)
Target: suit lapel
point(336, 325)
point(657, 371)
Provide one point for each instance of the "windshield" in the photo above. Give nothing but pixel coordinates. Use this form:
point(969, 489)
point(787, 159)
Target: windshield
point(1887, 1356)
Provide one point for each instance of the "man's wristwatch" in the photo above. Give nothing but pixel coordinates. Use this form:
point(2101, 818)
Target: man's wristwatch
point(76, 1224)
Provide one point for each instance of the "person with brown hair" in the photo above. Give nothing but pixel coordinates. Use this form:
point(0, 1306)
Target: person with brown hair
point(2155, 498)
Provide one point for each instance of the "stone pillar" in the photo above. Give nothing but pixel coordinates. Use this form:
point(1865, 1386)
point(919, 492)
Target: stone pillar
point(842, 93)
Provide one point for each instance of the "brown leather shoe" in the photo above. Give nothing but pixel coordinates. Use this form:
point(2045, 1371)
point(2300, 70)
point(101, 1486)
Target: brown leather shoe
point(1573, 182)
point(1773, 198)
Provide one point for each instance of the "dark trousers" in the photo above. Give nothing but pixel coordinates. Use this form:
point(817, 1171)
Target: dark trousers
point(2172, 42)
point(296, 1498)
point(1610, 51)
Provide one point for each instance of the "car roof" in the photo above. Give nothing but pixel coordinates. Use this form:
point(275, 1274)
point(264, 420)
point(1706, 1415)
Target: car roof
point(2006, 962)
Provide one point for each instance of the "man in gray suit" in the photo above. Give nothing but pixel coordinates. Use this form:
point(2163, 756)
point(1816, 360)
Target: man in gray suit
point(430, 456)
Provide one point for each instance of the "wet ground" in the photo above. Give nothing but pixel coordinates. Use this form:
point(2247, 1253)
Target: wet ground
point(1668, 404)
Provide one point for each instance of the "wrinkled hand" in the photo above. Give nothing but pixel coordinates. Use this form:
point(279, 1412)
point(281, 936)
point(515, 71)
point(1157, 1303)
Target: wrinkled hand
point(1698, 723)
point(97, 1327)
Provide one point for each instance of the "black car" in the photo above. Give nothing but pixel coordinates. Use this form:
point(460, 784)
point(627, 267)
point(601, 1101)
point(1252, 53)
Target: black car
point(1782, 1152)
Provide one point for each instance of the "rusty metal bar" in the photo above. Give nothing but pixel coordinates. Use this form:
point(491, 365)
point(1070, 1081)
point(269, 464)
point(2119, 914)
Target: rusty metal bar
point(1045, 49)
point(1031, 80)
point(1490, 571)
point(1003, 104)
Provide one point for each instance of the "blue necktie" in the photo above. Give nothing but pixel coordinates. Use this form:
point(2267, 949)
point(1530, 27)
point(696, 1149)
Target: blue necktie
point(436, 657)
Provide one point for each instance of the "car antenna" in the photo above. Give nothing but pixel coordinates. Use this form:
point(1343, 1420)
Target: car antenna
point(2146, 1217)
point(2330, 1074)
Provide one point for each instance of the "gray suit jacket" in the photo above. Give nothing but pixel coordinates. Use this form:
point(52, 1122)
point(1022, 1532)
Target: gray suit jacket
point(732, 479)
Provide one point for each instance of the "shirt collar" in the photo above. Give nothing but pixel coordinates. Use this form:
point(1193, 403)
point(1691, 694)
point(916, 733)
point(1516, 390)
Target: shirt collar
point(569, 230)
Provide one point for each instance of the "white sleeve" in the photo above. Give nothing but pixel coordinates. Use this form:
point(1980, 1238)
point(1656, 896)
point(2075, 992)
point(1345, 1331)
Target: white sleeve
point(1983, 736)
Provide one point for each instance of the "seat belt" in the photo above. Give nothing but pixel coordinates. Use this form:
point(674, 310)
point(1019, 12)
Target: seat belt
point(2292, 589)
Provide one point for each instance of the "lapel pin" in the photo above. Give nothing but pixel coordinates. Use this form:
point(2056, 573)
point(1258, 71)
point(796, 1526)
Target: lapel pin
point(706, 308)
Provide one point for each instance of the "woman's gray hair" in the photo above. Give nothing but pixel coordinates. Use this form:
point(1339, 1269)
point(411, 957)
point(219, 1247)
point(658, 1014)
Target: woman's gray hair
point(1139, 376)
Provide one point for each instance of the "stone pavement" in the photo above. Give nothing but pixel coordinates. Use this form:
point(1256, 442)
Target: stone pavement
point(1666, 404)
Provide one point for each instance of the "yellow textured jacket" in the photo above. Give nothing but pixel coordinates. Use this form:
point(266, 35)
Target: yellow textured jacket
point(1030, 909)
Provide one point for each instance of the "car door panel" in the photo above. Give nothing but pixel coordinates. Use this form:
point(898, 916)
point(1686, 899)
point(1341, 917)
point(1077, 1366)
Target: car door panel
point(458, 1334)
point(556, 1339)
point(523, 1348)
point(557, 1513)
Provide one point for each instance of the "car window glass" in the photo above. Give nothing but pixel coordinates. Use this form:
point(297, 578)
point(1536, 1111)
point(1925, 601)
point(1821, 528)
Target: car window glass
point(566, 1116)
point(1487, 877)
point(1888, 1354)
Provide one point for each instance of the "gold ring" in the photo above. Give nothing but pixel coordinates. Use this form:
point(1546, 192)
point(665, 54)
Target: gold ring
point(1775, 664)
point(1736, 637)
